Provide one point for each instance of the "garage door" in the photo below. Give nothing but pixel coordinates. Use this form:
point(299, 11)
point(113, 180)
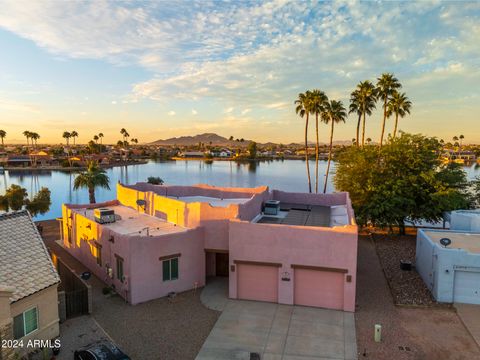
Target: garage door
point(257, 282)
point(319, 288)
point(466, 287)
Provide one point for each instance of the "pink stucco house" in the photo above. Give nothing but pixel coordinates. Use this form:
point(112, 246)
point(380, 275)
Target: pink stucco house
point(276, 246)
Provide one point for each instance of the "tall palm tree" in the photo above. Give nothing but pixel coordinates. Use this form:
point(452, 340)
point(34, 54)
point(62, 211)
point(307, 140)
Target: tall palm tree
point(356, 108)
point(100, 135)
point(74, 135)
point(319, 99)
point(368, 98)
point(28, 135)
point(93, 177)
point(461, 137)
point(34, 136)
point(95, 138)
point(386, 85)
point(3, 134)
point(303, 110)
point(334, 112)
point(66, 135)
point(400, 106)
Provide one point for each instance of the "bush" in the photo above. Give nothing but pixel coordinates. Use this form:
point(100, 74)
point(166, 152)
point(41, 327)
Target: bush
point(155, 180)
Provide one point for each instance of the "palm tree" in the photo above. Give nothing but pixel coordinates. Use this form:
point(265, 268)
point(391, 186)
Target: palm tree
point(318, 102)
point(95, 138)
point(400, 106)
point(34, 136)
point(369, 140)
point(368, 98)
point(334, 112)
point(100, 135)
point(73, 135)
point(28, 135)
point(3, 134)
point(355, 108)
point(386, 84)
point(461, 137)
point(134, 140)
point(303, 105)
point(66, 135)
point(93, 177)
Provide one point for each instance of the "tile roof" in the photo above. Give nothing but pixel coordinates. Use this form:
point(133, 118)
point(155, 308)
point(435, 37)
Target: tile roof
point(24, 260)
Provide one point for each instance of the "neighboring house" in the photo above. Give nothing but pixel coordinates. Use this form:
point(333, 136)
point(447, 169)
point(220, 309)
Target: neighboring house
point(28, 283)
point(451, 272)
point(290, 248)
point(192, 154)
point(19, 160)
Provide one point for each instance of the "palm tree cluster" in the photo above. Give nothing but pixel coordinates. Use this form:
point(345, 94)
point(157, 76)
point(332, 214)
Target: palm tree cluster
point(30, 135)
point(316, 102)
point(3, 134)
point(365, 96)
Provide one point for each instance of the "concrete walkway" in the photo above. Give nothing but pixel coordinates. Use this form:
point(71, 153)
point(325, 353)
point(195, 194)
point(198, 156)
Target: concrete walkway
point(277, 331)
point(470, 316)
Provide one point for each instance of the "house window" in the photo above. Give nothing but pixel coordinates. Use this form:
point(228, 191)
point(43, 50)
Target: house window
point(170, 269)
point(25, 323)
point(119, 268)
point(69, 234)
point(96, 250)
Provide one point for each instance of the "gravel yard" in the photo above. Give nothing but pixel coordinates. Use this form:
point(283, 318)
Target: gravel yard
point(407, 287)
point(407, 333)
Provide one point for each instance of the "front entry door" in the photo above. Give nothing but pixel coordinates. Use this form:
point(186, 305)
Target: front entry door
point(221, 261)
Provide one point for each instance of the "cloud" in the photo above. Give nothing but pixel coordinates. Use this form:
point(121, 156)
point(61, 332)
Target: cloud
point(246, 111)
point(171, 113)
point(114, 102)
point(228, 110)
point(194, 112)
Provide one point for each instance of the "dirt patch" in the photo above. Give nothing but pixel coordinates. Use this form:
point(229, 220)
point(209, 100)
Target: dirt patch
point(407, 333)
point(407, 287)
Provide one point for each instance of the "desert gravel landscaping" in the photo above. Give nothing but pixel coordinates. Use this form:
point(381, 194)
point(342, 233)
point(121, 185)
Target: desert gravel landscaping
point(421, 333)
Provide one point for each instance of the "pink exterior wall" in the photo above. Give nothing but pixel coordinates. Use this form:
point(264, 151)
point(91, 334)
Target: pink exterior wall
point(323, 247)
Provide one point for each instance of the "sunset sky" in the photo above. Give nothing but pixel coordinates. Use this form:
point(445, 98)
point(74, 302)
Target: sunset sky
point(163, 69)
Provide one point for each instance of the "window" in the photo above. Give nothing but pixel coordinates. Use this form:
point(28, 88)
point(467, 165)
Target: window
point(96, 250)
point(69, 234)
point(119, 268)
point(25, 323)
point(170, 269)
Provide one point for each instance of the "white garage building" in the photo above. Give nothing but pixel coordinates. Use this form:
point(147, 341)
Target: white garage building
point(452, 273)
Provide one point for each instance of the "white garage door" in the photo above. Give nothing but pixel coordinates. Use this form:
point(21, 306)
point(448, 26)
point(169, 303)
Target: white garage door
point(466, 287)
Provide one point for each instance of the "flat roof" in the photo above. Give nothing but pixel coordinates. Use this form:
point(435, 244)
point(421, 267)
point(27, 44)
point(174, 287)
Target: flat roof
point(460, 240)
point(216, 202)
point(307, 215)
point(134, 223)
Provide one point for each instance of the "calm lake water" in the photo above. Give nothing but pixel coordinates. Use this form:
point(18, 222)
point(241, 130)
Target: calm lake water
point(288, 175)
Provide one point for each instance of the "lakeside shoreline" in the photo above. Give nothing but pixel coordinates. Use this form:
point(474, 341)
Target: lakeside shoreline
point(71, 168)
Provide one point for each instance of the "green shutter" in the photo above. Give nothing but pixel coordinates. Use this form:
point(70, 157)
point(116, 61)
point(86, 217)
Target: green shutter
point(174, 266)
point(18, 327)
point(30, 320)
point(166, 270)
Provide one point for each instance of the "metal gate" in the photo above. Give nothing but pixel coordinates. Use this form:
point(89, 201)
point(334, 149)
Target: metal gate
point(76, 302)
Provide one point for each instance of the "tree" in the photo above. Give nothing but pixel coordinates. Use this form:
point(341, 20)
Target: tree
point(318, 101)
point(95, 138)
point(14, 198)
point(66, 135)
point(252, 150)
point(368, 98)
point(155, 180)
point(34, 136)
point(386, 84)
point(40, 204)
point(28, 135)
point(461, 137)
point(3, 134)
point(303, 110)
point(134, 140)
point(93, 177)
point(334, 112)
point(400, 106)
point(403, 181)
point(100, 135)
point(74, 135)
point(230, 138)
point(356, 108)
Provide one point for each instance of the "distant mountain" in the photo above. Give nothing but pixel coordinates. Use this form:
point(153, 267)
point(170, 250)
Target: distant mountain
point(217, 140)
point(206, 138)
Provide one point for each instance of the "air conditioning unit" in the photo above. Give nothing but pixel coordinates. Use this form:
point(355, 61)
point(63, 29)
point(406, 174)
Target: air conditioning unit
point(271, 207)
point(104, 216)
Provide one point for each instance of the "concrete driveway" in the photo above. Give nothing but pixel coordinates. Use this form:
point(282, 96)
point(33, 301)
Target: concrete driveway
point(280, 332)
point(470, 316)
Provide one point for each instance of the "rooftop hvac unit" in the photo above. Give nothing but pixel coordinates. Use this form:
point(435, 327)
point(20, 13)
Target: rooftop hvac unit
point(104, 216)
point(271, 207)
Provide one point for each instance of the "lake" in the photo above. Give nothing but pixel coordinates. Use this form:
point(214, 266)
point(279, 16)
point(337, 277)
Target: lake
point(288, 175)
